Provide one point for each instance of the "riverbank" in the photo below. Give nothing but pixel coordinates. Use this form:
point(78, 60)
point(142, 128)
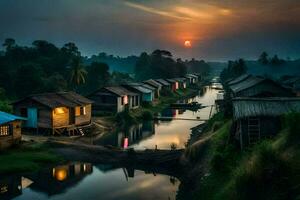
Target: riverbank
point(28, 157)
point(218, 169)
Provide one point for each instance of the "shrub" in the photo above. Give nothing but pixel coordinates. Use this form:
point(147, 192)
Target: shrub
point(124, 118)
point(147, 115)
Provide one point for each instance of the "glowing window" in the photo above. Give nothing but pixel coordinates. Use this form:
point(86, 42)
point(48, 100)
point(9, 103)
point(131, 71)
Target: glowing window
point(60, 110)
point(125, 100)
point(80, 110)
point(4, 130)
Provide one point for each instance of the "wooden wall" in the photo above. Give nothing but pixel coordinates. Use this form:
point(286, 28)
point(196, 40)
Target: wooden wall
point(84, 119)
point(15, 138)
point(44, 113)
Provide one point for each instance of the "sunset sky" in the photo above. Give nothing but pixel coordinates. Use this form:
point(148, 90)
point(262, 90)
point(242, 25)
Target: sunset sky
point(217, 30)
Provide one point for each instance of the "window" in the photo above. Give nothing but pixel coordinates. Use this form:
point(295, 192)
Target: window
point(124, 100)
point(5, 130)
point(80, 110)
point(60, 110)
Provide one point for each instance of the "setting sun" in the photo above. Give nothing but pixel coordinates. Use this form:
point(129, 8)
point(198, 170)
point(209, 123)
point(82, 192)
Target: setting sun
point(187, 43)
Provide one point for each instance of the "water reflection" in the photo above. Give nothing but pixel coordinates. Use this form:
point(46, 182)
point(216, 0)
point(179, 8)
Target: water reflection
point(128, 137)
point(162, 134)
point(85, 181)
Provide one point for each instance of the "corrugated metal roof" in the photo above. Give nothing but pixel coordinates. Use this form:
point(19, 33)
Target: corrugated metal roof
point(121, 91)
point(192, 75)
point(171, 80)
point(6, 118)
point(163, 82)
point(245, 84)
point(148, 87)
point(142, 89)
point(153, 83)
point(53, 100)
point(239, 79)
point(273, 106)
point(180, 79)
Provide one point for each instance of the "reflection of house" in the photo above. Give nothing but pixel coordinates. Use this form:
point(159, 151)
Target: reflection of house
point(10, 130)
point(147, 95)
point(114, 99)
point(252, 86)
point(10, 187)
point(135, 134)
point(256, 118)
point(57, 112)
point(57, 180)
point(156, 85)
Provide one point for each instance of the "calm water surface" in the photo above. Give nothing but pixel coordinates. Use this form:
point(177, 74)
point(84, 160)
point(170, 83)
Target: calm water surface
point(162, 134)
point(86, 181)
point(79, 181)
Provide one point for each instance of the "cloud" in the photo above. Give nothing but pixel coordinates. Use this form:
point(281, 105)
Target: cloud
point(156, 11)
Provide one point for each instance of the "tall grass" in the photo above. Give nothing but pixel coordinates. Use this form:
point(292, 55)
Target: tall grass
point(24, 159)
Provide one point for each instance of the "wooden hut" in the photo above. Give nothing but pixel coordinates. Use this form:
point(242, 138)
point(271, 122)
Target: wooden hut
point(256, 118)
point(10, 129)
point(55, 112)
point(165, 84)
point(146, 94)
point(192, 79)
point(114, 99)
point(252, 86)
point(182, 83)
point(174, 84)
point(156, 85)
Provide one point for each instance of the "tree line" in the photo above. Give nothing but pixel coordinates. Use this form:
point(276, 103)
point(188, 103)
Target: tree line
point(44, 67)
point(161, 64)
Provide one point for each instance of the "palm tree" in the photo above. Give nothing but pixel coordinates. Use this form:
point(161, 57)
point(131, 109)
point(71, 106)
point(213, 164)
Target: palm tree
point(78, 73)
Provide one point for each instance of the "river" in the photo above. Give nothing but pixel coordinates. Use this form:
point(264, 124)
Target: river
point(87, 181)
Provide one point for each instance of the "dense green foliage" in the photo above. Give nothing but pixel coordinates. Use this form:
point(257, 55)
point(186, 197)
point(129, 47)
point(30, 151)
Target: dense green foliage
point(116, 63)
point(44, 67)
point(233, 70)
point(267, 170)
point(161, 64)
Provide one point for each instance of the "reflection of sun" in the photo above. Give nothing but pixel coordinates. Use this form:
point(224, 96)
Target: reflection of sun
point(187, 44)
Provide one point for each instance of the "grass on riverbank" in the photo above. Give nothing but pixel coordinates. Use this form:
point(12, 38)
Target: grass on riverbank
point(268, 170)
point(27, 158)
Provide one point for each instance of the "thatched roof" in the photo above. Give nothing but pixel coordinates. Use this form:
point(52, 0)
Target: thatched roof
point(238, 79)
point(273, 106)
point(6, 118)
point(246, 83)
point(59, 99)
